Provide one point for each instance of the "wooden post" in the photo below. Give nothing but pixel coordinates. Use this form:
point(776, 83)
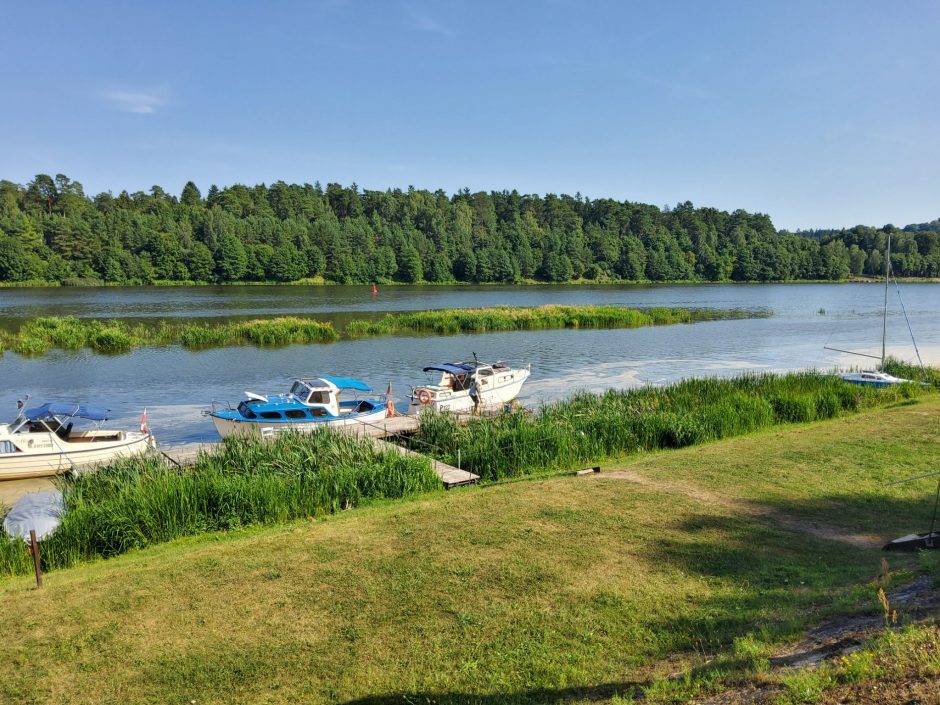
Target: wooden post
point(34, 549)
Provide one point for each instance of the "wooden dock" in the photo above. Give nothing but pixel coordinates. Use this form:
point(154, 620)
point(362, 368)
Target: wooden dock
point(379, 432)
point(450, 476)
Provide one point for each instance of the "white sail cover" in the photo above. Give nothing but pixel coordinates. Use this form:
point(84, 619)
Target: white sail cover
point(41, 511)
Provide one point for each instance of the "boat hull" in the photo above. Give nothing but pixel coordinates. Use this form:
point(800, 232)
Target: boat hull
point(877, 380)
point(269, 429)
point(62, 458)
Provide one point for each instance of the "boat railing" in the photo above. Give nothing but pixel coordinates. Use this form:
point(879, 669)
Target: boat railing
point(216, 405)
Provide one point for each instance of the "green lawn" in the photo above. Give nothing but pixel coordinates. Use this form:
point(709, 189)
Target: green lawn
point(571, 589)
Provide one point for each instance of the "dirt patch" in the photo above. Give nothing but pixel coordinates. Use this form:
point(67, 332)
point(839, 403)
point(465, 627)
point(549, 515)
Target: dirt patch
point(806, 526)
point(916, 600)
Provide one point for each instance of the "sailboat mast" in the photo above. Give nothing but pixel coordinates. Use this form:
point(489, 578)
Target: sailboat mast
point(884, 324)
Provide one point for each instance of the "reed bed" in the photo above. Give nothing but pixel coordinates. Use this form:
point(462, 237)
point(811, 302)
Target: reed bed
point(507, 318)
point(38, 336)
point(139, 502)
point(590, 427)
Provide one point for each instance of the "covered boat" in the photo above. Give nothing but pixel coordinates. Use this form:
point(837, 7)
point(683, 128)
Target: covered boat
point(311, 403)
point(469, 386)
point(43, 440)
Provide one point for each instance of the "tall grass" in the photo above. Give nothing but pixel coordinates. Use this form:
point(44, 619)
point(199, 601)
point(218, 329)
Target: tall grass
point(40, 335)
point(139, 502)
point(506, 318)
point(589, 427)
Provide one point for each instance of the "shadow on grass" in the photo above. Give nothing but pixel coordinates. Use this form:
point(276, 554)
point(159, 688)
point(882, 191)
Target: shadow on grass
point(597, 693)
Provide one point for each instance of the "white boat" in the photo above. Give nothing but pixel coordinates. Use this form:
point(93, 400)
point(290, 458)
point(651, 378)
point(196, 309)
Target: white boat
point(469, 386)
point(312, 403)
point(42, 441)
point(878, 377)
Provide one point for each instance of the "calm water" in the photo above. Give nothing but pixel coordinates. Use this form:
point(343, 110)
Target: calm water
point(176, 385)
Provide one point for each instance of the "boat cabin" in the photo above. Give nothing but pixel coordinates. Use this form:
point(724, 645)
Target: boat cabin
point(309, 398)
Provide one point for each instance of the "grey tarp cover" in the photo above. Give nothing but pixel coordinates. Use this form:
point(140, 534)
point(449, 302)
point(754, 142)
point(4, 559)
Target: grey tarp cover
point(41, 511)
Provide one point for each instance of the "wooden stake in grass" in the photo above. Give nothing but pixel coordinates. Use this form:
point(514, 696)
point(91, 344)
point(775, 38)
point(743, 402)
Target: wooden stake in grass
point(34, 549)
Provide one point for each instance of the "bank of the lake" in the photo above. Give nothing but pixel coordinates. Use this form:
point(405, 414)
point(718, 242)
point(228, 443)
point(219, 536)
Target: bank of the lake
point(704, 561)
point(141, 501)
point(40, 335)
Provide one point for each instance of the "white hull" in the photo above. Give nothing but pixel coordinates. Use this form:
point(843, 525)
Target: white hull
point(52, 456)
point(259, 429)
point(491, 397)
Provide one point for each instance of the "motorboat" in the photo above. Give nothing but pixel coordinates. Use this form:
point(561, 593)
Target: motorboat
point(43, 440)
point(312, 403)
point(469, 386)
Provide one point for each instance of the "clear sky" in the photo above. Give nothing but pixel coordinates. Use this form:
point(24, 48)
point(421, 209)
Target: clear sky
point(820, 113)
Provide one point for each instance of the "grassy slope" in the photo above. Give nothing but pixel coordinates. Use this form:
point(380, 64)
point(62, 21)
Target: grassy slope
point(550, 590)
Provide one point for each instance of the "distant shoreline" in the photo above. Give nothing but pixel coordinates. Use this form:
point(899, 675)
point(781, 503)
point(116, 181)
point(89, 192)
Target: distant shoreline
point(524, 283)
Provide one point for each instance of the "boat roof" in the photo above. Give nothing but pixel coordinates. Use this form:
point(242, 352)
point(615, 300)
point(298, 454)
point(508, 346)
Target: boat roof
point(338, 382)
point(451, 368)
point(59, 408)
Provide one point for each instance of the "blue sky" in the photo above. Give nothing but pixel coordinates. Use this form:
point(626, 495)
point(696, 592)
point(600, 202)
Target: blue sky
point(822, 114)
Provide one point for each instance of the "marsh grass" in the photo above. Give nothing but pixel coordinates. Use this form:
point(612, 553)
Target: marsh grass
point(39, 335)
point(506, 318)
point(139, 502)
point(589, 427)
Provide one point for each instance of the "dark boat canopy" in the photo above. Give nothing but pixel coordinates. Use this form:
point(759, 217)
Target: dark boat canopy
point(450, 369)
point(58, 408)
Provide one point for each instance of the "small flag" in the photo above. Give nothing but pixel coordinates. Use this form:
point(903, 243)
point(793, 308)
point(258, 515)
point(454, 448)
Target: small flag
point(375, 290)
point(143, 423)
point(388, 392)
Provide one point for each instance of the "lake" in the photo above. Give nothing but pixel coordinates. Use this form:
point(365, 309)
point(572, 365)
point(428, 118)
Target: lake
point(176, 385)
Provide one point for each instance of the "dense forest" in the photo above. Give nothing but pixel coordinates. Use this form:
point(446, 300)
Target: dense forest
point(50, 230)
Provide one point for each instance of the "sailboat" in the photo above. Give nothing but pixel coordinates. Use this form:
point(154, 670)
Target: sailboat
point(877, 377)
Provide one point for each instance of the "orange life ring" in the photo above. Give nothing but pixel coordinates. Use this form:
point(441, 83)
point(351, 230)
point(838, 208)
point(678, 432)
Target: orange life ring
point(424, 396)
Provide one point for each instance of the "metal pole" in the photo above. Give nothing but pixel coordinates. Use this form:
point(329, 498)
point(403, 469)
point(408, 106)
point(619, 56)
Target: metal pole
point(884, 325)
point(933, 520)
point(458, 458)
point(34, 549)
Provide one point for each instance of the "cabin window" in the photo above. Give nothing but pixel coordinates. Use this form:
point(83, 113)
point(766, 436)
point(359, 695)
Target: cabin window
point(299, 390)
point(318, 398)
point(319, 411)
point(246, 411)
point(295, 414)
point(271, 415)
point(486, 373)
point(8, 447)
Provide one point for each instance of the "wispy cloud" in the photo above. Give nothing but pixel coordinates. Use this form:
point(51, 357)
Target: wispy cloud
point(425, 23)
point(141, 102)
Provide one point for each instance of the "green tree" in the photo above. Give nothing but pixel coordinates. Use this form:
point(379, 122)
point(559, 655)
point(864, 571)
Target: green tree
point(410, 269)
point(231, 261)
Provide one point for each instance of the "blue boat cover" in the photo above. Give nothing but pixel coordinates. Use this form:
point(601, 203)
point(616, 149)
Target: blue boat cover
point(450, 368)
point(348, 383)
point(58, 408)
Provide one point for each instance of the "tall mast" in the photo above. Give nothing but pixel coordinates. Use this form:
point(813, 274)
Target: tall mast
point(884, 325)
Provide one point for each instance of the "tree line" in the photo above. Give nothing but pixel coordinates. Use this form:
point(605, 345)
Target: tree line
point(51, 231)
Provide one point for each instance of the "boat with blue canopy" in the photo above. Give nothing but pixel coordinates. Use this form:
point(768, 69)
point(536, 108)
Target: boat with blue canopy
point(43, 440)
point(312, 403)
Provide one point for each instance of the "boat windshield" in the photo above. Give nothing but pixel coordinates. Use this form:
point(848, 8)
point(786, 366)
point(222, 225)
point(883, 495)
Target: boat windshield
point(300, 390)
